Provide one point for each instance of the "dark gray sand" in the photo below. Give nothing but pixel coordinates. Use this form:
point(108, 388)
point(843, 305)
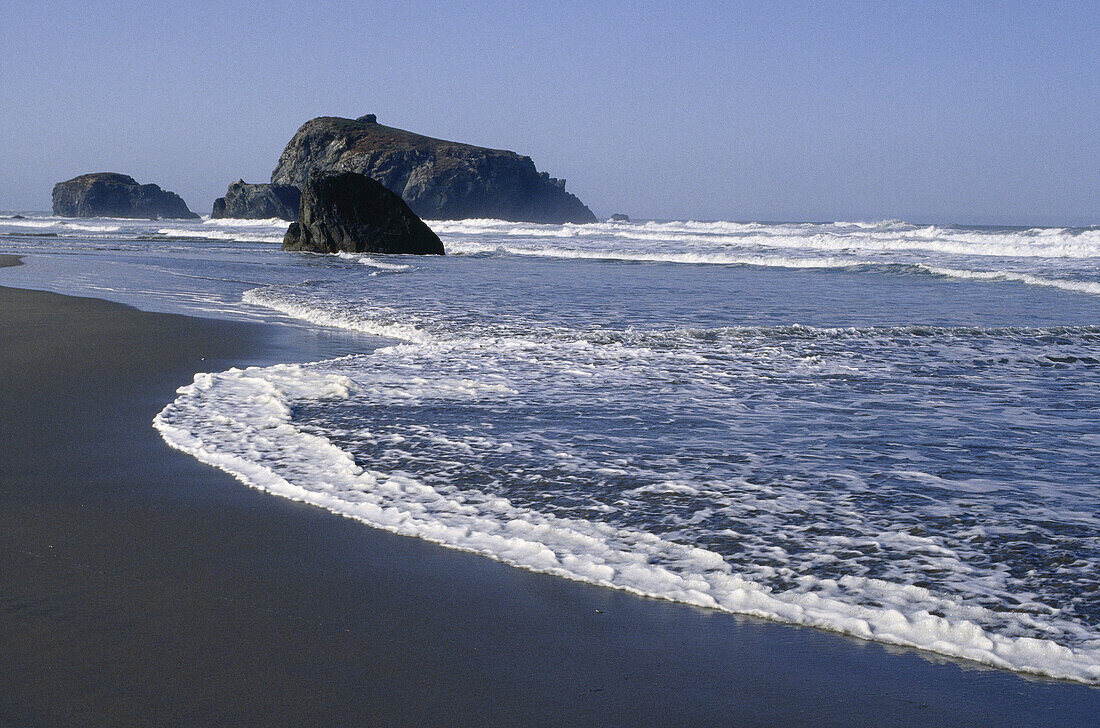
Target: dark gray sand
point(139, 587)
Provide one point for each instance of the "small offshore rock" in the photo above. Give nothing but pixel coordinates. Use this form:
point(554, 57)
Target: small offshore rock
point(350, 212)
point(258, 202)
point(619, 217)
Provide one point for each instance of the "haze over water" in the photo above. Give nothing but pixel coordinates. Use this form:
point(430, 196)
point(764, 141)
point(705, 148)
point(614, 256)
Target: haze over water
point(880, 429)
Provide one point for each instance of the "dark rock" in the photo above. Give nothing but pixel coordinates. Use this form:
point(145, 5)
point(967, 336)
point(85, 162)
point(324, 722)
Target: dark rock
point(620, 217)
point(345, 211)
point(438, 179)
point(109, 194)
point(258, 202)
point(18, 217)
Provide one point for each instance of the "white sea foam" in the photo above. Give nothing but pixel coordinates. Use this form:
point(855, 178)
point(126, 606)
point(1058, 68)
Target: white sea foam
point(1092, 287)
point(338, 318)
point(769, 261)
point(262, 231)
point(716, 258)
point(241, 421)
point(245, 234)
point(366, 260)
point(59, 224)
point(272, 223)
point(853, 238)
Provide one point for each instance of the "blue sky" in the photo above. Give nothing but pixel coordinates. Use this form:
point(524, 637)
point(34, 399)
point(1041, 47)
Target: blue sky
point(929, 112)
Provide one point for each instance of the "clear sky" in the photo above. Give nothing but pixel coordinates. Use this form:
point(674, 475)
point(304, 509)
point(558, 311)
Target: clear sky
point(930, 112)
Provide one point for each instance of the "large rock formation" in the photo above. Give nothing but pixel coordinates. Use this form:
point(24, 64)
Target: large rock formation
point(257, 202)
point(109, 194)
point(345, 211)
point(438, 179)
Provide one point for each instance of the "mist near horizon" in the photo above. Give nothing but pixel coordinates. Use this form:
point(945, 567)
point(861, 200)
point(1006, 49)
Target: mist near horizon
point(982, 115)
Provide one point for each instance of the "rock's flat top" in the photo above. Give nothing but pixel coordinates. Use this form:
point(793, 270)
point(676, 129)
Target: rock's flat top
point(350, 212)
point(110, 194)
point(437, 178)
point(110, 177)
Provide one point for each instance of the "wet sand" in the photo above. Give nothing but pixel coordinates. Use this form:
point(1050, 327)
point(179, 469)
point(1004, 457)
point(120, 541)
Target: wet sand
point(139, 587)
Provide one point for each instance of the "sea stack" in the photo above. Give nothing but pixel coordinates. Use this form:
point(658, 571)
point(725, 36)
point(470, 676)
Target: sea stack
point(258, 202)
point(110, 194)
point(437, 179)
point(350, 212)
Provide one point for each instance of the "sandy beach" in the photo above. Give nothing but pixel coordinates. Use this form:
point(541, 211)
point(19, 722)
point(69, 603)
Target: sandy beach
point(142, 588)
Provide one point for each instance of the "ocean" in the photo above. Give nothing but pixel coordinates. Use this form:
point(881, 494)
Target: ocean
point(881, 429)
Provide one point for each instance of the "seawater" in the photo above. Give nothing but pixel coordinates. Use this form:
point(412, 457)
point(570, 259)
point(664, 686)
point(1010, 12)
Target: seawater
point(881, 429)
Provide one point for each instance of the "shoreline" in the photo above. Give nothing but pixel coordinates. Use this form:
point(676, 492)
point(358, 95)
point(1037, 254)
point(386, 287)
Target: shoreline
point(145, 588)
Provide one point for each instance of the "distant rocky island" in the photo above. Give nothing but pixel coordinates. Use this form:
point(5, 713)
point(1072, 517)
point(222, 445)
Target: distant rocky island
point(110, 194)
point(437, 179)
